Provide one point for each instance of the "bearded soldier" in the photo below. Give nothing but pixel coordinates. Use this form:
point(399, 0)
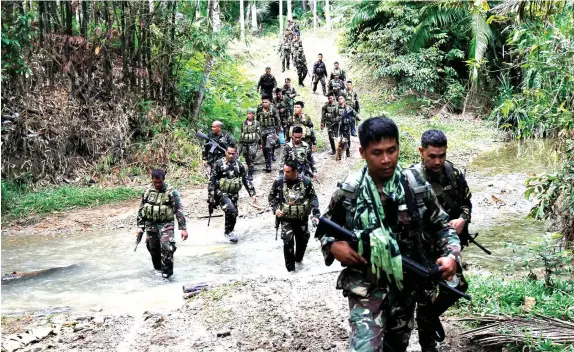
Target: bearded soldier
point(394, 213)
point(338, 71)
point(250, 141)
point(160, 204)
point(285, 49)
point(300, 152)
point(224, 187)
point(267, 83)
point(352, 99)
point(301, 65)
point(344, 116)
point(303, 120)
point(210, 154)
point(270, 128)
point(328, 118)
point(319, 74)
point(282, 104)
point(292, 199)
point(453, 194)
point(336, 85)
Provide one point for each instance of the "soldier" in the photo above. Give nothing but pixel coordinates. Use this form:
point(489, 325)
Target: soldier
point(282, 104)
point(400, 215)
point(250, 141)
point(224, 139)
point(344, 115)
point(304, 121)
point(289, 91)
point(159, 205)
point(327, 120)
point(224, 187)
point(285, 51)
point(301, 65)
point(338, 71)
point(292, 199)
point(267, 83)
point(319, 74)
point(296, 28)
point(352, 99)
point(336, 85)
point(301, 153)
point(453, 194)
point(296, 46)
point(270, 128)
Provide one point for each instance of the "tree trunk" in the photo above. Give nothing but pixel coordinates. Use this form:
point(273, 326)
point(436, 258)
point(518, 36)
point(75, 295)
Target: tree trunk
point(328, 15)
point(242, 18)
point(69, 17)
point(85, 19)
point(253, 17)
point(209, 62)
point(280, 17)
point(289, 10)
point(314, 16)
point(41, 22)
point(304, 5)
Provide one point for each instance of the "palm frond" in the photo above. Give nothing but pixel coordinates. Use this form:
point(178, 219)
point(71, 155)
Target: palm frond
point(439, 14)
point(481, 37)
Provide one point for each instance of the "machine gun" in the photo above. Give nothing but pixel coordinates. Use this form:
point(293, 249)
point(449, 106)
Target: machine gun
point(326, 226)
point(138, 239)
point(211, 142)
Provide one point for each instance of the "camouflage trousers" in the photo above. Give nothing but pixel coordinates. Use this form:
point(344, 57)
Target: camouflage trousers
point(228, 204)
point(333, 133)
point(295, 235)
point(160, 243)
point(285, 57)
point(249, 152)
point(302, 73)
point(323, 85)
point(268, 141)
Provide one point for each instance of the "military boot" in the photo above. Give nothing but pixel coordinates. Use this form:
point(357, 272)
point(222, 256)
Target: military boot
point(250, 173)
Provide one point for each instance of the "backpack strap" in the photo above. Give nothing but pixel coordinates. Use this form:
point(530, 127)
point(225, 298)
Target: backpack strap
point(449, 170)
point(417, 193)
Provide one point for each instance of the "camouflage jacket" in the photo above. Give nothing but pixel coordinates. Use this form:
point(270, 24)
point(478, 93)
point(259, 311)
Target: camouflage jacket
point(302, 154)
point(344, 124)
point(297, 45)
point(337, 86)
point(224, 139)
point(295, 185)
point(451, 190)
point(305, 122)
point(290, 93)
point(300, 59)
point(224, 169)
point(352, 99)
point(423, 240)
point(285, 105)
point(174, 201)
point(328, 114)
point(285, 46)
point(339, 72)
point(269, 119)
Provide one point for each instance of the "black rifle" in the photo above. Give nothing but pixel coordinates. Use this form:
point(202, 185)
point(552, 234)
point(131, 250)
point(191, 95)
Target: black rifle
point(212, 142)
point(210, 207)
point(277, 220)
point(326, 226)
point(471, 239)
point(138, 240)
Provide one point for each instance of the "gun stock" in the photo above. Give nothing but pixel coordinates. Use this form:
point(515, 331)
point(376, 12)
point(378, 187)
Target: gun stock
point(326, 226)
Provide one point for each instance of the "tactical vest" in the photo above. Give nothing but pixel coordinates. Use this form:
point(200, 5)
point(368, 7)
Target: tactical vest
point(300, 122)
point(296, 205)
point(449, 194)
point(231, 182)
point(337, 85)
point(338, 72)
point(158, 206)
point(300, 152)
point(266, 118)
point(341, 111)
point(249, 133)
point(330, 113)
point(297, 45)
point(282, 104)
point(320, 68)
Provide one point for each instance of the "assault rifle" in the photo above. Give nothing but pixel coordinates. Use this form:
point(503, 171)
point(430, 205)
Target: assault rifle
point(138, 239)
point(211, 142)
point(326, 226)
point(313, 81)
point(471, 239)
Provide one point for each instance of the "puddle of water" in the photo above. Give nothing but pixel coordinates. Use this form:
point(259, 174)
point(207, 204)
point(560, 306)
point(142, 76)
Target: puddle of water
point(526, 157)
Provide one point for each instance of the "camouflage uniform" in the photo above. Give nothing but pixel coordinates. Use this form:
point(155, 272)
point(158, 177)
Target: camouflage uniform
point(320, 72)
point(296, 46)
point(303, 121)
point(250, 142)
point(453, 195)
point(327, 120)
point(381, 315)
point(296, 199)
point(303, 155)
point(155, 214)
point(224, 187)
point(342, 126)
point(224, 139)
point(339, 71)
point(337, 86)
point(267, 83)
point(301, 65)
point(285, 48)
point(285, 105)
point(270, 126)
point(290, 93)
point(352, 99)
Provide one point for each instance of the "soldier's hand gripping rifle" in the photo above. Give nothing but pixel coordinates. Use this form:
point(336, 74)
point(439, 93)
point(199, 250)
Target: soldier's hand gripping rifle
point(211, 142)
point(138, 239)
point(326, 226)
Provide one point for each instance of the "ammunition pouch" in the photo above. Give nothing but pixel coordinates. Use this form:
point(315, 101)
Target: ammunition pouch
point(230, 185)
point(296, 212)
point(157, 206)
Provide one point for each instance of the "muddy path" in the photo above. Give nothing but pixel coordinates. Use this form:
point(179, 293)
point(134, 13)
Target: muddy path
point(116, 302)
